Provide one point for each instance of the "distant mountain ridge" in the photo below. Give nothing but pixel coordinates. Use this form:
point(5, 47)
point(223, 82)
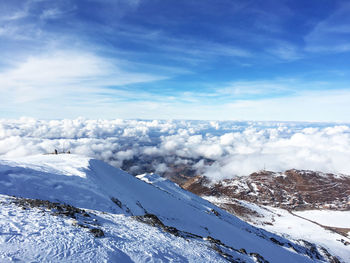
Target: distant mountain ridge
point(106, 215)
point(292, 189)
point(295, 203)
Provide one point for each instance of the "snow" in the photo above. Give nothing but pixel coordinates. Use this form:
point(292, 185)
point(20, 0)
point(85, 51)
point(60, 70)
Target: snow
point(33, 236)
point(91, 184)
point(328, 217)
point(293, 227)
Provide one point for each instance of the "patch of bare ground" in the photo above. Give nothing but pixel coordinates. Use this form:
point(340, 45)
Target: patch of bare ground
point(293, 190)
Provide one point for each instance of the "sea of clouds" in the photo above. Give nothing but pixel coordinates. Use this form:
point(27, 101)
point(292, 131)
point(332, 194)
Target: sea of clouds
point(215, 149)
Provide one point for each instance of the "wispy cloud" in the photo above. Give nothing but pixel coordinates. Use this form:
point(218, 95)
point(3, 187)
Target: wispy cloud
point(286, 52)
point(66, 75)
point(313, 105)
point(288, 99)
point(331, 34)
point(169, 60)
point(258, 89)
point(14, 11)
point(246, 89)
point(189, 49)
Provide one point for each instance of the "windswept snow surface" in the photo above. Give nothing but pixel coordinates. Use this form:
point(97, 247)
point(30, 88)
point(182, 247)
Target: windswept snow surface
point(328, 217)
point(33, 236)
point(90, 184)
point(294, 227)
point(284, 223)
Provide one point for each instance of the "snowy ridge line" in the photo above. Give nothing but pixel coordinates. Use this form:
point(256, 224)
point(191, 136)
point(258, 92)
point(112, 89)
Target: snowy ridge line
point(65, 240)
point(315, 252)
point(224, 250)
point(91, 184)
point(266, 205)
point(282, 222)
point(88, 220)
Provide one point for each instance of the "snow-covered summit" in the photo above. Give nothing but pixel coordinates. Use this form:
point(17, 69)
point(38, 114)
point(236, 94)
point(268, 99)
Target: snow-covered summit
point(119, 202)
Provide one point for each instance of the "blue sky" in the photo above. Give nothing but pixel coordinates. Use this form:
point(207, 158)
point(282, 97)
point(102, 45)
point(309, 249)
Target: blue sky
point(156, 59)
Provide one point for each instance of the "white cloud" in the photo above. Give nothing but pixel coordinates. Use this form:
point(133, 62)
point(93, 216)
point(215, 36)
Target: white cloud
point(72, 78)
point(161, 168)
point(331, 34)
point(51, 13)
point(240, 89)
point(307, 106)
point(286, 52)
point(314, 105)
point(235, 148)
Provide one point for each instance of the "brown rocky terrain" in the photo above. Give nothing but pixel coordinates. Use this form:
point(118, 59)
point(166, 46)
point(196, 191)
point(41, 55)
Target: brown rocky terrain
point(291, 190)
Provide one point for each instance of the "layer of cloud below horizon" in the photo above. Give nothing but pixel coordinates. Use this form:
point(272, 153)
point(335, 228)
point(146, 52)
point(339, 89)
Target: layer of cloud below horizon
point(233, 148)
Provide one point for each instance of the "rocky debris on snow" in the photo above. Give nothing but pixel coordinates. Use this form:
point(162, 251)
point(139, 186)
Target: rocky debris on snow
point(56, 208)
point(346, 243)
point(153, 220)
point(309, 249)
point(317, 252)
point(97, 232)
point(173, 213)
point(229, 253)
point(313, 251)
point(121, 205)
point(82, 217)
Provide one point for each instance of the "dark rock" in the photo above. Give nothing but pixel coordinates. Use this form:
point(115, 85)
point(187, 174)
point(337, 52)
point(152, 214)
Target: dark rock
point(215, 212)
point(243, 251)
point(274, 240)
point(117, 202)
point(97, 232)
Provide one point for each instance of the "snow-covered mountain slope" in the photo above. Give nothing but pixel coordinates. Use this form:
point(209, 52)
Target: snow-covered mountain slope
point(331, 218)
point(33, 236)
point(139, 221)
point(278, 202)
point(312, 226)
